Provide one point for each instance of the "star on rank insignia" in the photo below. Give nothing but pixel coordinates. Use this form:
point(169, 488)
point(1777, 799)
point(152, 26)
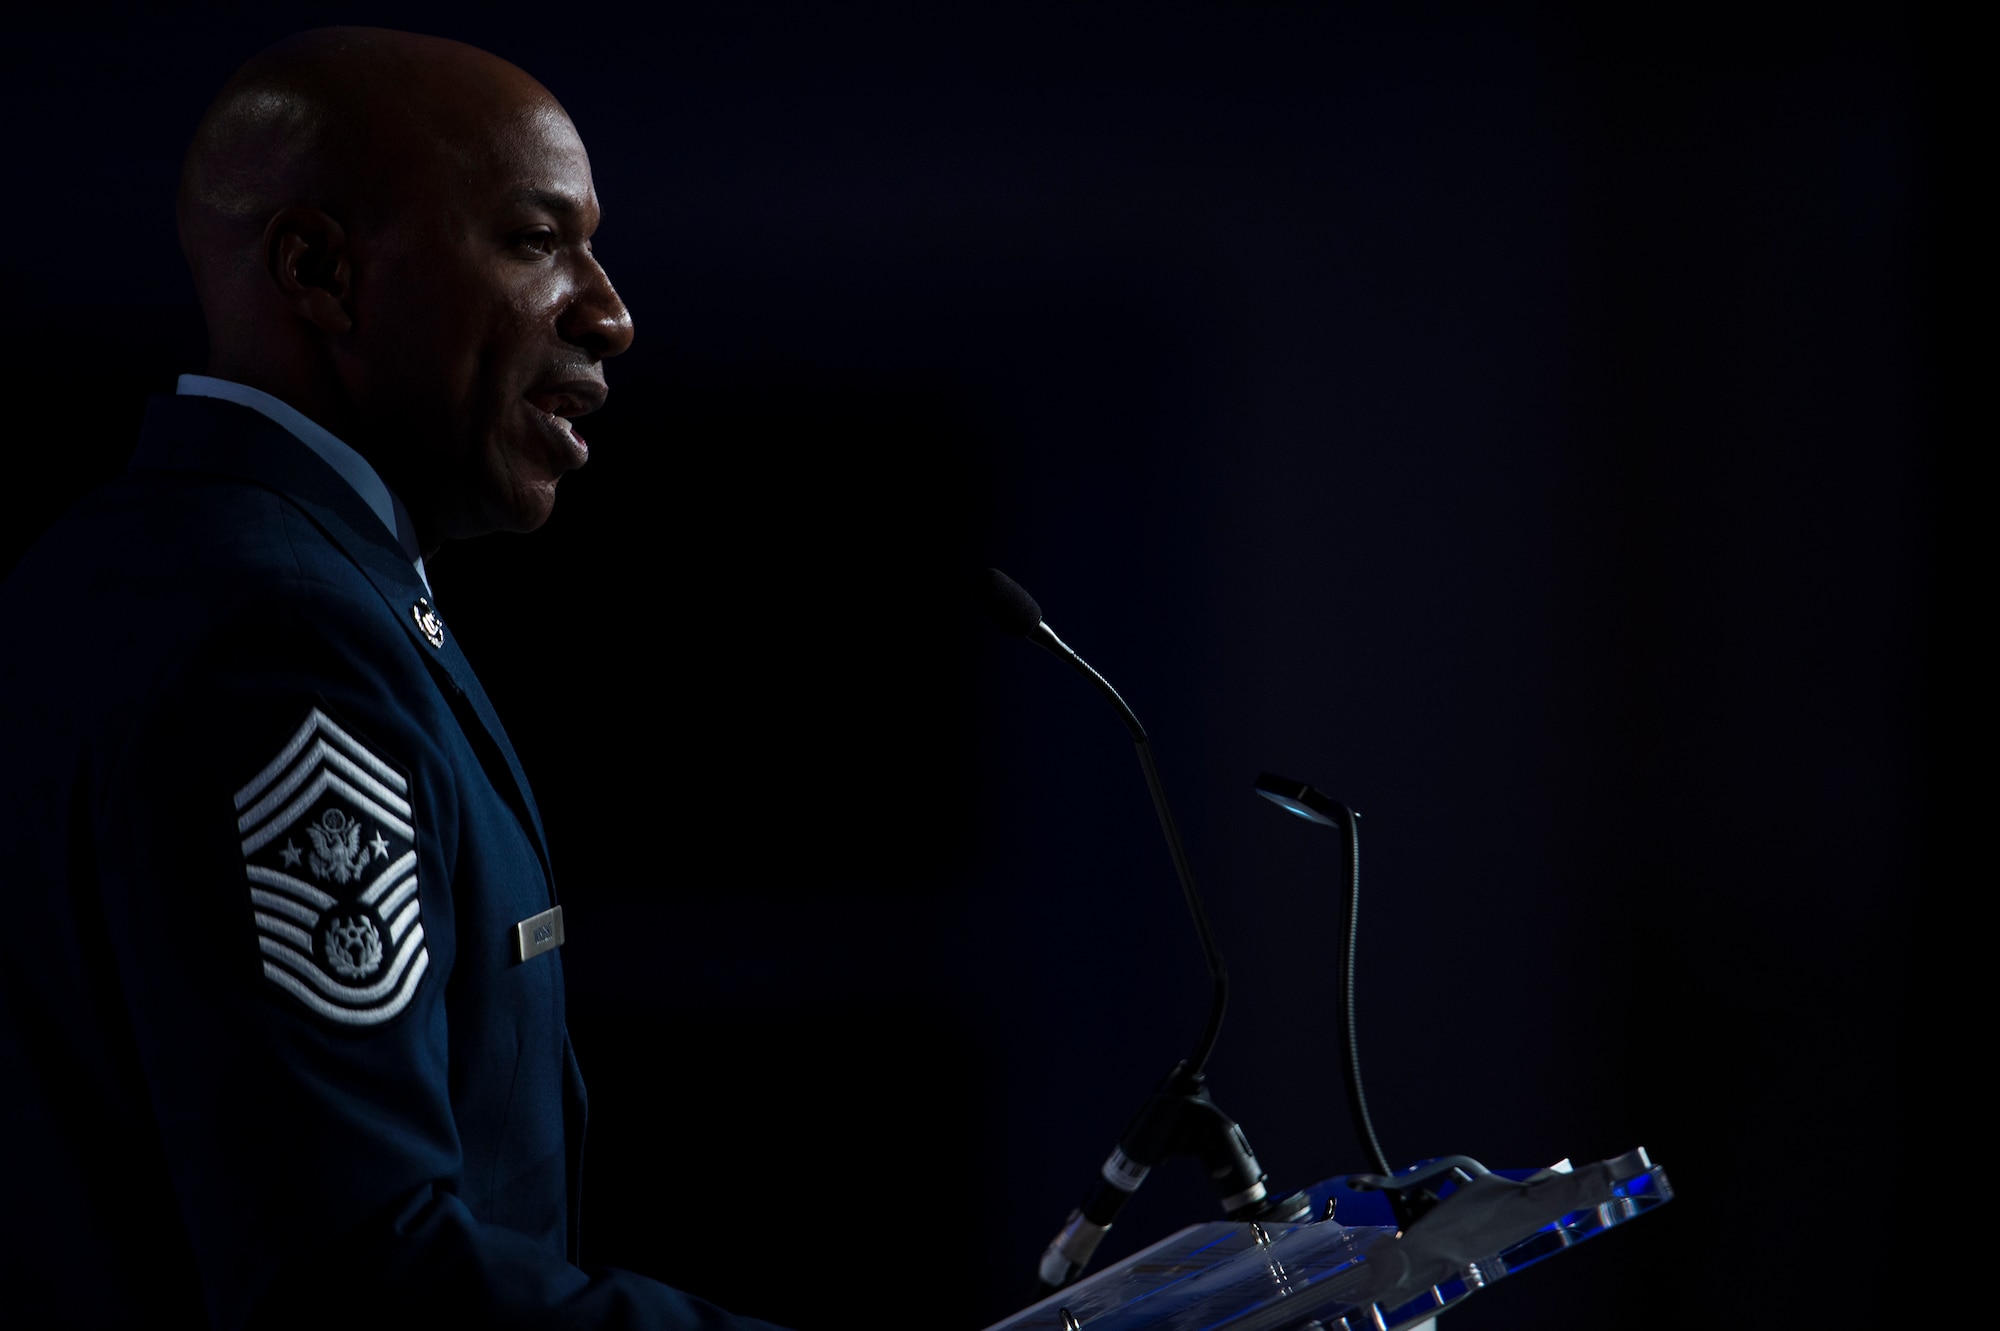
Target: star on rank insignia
point(331, 859)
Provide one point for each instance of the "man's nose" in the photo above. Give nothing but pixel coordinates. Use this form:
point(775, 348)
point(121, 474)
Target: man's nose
point(597, 319)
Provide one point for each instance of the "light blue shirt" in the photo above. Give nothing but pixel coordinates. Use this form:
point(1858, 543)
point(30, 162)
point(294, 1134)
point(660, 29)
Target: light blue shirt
point(349, 465)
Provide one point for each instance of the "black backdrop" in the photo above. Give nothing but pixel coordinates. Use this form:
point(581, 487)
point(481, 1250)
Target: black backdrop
point(1520, 425)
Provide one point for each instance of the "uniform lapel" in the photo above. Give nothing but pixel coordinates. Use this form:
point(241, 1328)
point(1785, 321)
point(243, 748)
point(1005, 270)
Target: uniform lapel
point(458, 670)
point(222, 438)
point(407, 598)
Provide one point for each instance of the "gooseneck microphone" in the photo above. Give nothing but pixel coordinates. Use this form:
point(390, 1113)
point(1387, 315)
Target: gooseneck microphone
point(1301, 800)
point(1015, 611)
point(1179, 1118)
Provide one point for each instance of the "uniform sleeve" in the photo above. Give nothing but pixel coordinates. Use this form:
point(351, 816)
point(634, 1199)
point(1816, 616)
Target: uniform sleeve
point(275, 839)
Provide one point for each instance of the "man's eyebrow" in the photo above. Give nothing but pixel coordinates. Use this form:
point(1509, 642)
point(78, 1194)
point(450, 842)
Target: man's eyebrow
point(563, 205)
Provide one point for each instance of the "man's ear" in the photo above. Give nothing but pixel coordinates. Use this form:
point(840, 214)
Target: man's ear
point(306, 258)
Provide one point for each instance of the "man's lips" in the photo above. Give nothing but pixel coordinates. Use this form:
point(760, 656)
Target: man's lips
point(572, 397)
point(558, 402)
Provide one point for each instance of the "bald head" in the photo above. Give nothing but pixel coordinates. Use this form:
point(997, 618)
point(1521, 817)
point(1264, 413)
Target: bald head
point(344, 119)
point(391, 232)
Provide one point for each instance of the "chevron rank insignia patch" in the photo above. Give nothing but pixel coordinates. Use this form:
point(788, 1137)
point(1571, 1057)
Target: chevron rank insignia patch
point(331, 859)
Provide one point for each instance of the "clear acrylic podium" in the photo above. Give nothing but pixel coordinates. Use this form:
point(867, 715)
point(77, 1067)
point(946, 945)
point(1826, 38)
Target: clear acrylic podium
point(1350, 1269)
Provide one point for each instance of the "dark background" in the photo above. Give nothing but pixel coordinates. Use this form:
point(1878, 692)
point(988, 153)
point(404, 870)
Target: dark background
point(1523, 425)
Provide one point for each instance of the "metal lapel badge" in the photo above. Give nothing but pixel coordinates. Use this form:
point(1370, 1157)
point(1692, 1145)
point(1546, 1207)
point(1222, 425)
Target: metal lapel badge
point(428, 622)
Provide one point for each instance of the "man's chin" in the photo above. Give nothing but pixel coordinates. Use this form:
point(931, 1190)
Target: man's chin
point(528, 508)
point(522, 508)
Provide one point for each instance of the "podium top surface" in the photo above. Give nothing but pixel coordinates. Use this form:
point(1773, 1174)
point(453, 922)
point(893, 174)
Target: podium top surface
point(1327, 1275)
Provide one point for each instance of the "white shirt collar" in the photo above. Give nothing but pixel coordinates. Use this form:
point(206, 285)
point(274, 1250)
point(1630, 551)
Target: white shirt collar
point(349, 465)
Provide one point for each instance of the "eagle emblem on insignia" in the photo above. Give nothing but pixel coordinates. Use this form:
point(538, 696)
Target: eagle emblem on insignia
point(336, 846)
point(341, 933)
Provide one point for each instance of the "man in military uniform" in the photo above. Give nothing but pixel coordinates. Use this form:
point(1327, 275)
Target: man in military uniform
point(282, 1034)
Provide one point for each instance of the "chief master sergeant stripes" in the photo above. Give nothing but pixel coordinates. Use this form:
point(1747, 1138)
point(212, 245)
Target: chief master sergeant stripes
point(350, 943)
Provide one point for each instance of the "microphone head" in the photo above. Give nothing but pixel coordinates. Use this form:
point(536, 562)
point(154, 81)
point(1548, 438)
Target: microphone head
point(1009, 604)
point(1296, 797)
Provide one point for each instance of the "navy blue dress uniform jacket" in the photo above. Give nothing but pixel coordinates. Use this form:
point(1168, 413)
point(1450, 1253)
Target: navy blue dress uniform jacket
point(268, 1055)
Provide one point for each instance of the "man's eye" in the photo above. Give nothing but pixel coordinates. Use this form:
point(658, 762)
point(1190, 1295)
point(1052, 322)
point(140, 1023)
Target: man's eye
point(541, 240)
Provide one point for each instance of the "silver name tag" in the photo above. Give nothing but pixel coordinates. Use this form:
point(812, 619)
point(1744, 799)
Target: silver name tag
point(538, 934)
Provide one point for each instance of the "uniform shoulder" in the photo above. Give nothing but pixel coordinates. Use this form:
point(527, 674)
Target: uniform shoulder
point(158, 572)
point(146, 527)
